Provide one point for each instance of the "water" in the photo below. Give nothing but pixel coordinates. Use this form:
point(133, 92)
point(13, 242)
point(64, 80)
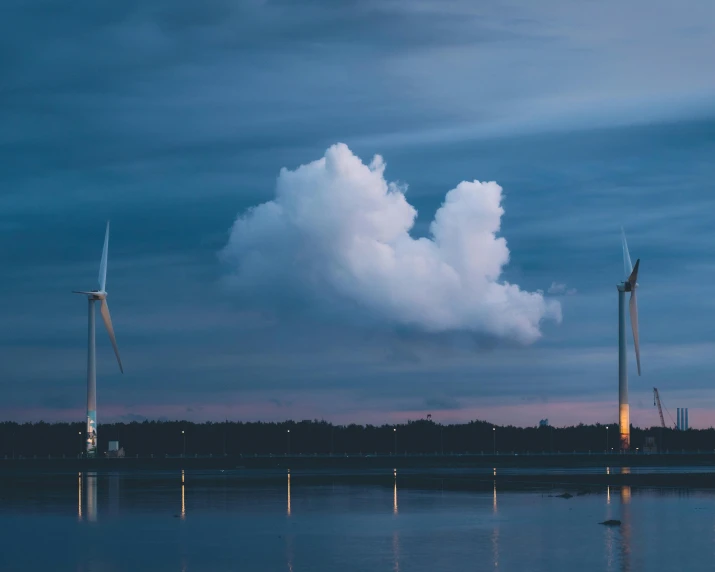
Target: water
point(220, 521)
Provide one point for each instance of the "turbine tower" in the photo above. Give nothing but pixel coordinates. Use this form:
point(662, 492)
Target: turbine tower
point(630, 285)
point(94, 296)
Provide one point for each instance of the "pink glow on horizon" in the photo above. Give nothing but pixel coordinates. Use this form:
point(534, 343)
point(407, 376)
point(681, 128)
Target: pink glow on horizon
point(525, 415)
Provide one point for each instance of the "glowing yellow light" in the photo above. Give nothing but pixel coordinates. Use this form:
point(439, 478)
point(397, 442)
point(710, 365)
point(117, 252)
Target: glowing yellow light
point(625, 426)
point(288, 494)
point(394, 498)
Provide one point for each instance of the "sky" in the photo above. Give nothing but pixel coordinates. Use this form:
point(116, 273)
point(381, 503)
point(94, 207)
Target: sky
point(356, 211)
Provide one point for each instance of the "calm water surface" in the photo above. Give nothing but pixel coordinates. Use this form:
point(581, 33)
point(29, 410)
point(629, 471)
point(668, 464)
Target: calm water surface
point(216, 522)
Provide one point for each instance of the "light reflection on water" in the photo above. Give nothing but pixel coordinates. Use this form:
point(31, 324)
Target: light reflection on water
point(495, 546)
point(91, 489)
point(114, 494)
point(396, 550)
point(394, 497)
point(625, 528)
point(610, 538)
point(87, 495)
point(237, 525)
point(495, 531)
point(79, 497)
point(183, 496)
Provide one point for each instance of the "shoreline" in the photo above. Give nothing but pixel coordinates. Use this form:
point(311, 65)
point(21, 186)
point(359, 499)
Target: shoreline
point(449, 472)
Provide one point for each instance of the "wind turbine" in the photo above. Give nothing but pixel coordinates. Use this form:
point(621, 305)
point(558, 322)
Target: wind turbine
point(630, 285)
point(94, 296)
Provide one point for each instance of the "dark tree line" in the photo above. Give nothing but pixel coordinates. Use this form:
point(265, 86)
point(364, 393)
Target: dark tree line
point(320, 437)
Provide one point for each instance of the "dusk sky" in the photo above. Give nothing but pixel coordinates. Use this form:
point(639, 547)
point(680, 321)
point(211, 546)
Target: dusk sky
point(265, 265)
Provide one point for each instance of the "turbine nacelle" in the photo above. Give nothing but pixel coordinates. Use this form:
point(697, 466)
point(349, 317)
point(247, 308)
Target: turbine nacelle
point(631, 282)
point(92, 294)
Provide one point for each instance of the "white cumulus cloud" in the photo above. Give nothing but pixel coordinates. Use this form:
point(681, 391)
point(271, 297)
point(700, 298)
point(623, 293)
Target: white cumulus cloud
point(337, 233)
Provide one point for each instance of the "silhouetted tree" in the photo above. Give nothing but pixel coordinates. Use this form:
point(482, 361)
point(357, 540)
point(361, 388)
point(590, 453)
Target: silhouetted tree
point(320, 437)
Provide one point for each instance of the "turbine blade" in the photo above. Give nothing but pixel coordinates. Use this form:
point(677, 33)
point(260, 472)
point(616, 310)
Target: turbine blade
point(103, 263)
point(110, 330)
point(633, 307)
point(627, 264)
point(633, 278)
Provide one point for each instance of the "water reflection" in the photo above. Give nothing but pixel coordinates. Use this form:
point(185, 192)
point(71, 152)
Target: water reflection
point(610, 547)
point(290, 556)
point(495, 547)
point(396, 550)
point(440, 528)
point(495, 531)
point(625, 528)
point(288, 512)
point(394, 497)
point(183, 496)
point(625, 494)
point(618, 538)
point(91, 492)
point(113, 494)
point(79, 496)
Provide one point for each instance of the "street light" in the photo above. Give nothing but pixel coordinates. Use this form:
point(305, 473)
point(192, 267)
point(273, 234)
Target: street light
point(394, 431)
point(494, 439)
point(81, 441)
point(183, 433)
point(606, 438)
point(288, 434)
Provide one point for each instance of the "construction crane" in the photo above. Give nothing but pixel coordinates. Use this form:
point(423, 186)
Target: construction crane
point(656, 401)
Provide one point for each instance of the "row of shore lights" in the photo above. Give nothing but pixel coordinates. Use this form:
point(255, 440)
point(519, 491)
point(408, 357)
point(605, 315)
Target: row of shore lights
point(394, 430)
